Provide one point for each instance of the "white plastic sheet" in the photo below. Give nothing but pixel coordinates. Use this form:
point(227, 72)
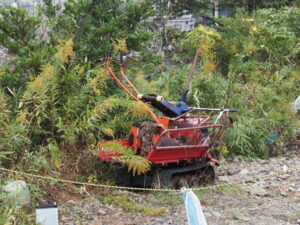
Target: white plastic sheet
point(296, 104)
point(17, 192)
point(47, 215)
point(193, 208)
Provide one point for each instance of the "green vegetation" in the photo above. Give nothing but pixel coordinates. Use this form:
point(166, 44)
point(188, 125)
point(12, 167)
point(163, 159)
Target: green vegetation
point(57, 101)
point(229, 190)
point(122, 203)
point(164, 198)
point(137, 164)
point(67, 100)
point(254, 67)
point(13, 214)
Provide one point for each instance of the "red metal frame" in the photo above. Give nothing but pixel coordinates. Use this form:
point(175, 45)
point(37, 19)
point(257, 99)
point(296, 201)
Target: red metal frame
point(169, 154)
point(173, 154)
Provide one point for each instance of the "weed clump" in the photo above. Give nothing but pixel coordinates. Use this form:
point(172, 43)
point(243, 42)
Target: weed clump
point(123, 203)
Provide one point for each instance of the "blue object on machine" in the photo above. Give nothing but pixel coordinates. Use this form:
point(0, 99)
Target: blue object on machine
point(193, 208)
point(171, 109)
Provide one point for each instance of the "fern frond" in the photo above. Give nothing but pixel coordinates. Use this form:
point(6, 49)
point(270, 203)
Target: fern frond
point(138, 109)
point(108, 132)
point(137, 164)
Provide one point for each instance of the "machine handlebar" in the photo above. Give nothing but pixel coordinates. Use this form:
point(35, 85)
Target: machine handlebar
point(121, 58)
point(214, 109)
point(110, 51)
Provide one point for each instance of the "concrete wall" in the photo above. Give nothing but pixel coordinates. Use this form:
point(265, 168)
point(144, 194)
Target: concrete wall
point(183, 23)
point(4, 57)
point(30, 5)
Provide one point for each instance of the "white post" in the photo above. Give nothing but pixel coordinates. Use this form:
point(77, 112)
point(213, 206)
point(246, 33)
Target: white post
point(216, 8)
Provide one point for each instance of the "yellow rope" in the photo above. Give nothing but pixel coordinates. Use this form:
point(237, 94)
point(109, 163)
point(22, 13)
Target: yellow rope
point(241, 182)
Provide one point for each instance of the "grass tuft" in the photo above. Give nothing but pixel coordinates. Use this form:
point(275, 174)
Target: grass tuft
point(123, 203)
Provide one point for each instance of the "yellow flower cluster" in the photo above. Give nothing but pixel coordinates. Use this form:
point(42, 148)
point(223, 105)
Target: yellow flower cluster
point(205, 39)
point(1, 72)
point(102, 73)
point(121, 45)
point(94, 83)
point(249, 48)
point(138, 109)
point(246, 20)
point(22, 117)
point(208, 31)
point(79, 69)
point(209, 66)
point(203, 48)
point(38, 84)
point(254, 29)
point(65, 51)
point(250, 24)
point(233, 49)
point(144, 85)
point(98, 82)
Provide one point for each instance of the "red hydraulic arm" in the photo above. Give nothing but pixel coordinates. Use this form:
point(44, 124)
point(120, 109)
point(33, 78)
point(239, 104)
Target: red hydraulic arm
point(125, 77)
point(129, 84)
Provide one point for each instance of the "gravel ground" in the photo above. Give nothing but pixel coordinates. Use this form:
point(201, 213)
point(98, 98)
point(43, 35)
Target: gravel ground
point(274, 200)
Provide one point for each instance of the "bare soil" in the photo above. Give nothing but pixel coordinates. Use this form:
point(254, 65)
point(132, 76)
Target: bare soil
point(272, 200)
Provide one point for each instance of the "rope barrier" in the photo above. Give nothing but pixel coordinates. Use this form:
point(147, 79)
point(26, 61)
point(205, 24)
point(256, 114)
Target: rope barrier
point(239, 182)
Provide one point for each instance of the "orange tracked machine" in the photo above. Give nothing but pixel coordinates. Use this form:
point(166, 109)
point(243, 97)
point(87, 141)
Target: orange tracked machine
point(177, 142)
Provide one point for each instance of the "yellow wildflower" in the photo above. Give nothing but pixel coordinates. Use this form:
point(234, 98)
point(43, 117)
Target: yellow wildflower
point(65, 51)
point(138, 109)
point(203, 49)
point(94, 84)
point(38, 84)
point(249, 47)
point(22, 117)
point(140, 79)
point(248, 20)
point(102, 73)
point(209, 67)
point(254, 29)
point(121, 45)
point(1, 72)
point(233, 49)
point(79, 69)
